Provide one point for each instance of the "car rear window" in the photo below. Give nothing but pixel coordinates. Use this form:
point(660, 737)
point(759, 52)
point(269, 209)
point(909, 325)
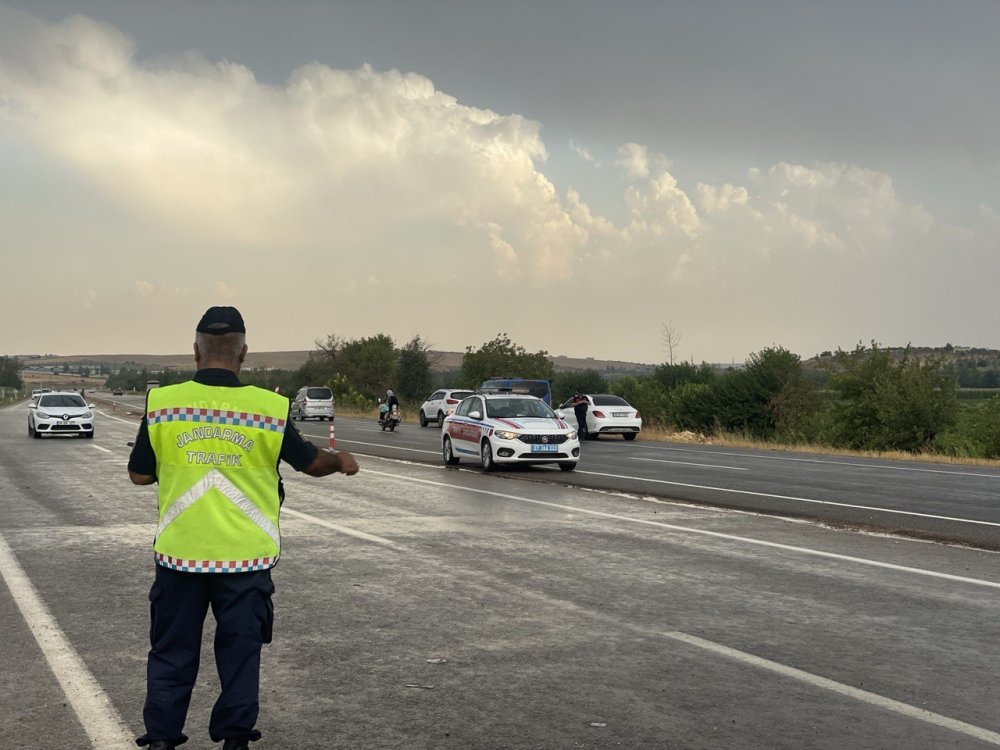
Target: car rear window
point(609, 401)
point(461, 394)
point(67, 400)
point(320, 393)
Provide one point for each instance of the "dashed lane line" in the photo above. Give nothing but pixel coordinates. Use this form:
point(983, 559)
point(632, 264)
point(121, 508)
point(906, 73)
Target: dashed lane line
point(101, 723)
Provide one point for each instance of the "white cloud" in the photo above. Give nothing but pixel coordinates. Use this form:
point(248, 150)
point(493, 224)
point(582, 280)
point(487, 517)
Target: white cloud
point(226, 291)
point(310, 185)
point(634, 159)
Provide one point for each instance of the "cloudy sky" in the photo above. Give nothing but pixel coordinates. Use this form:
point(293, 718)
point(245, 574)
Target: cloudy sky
point(576, 174)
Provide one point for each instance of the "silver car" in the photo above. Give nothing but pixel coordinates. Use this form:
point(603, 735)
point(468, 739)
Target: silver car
point(60, 413)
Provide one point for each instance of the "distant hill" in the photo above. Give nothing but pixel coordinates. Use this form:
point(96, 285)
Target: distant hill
point(442, 362)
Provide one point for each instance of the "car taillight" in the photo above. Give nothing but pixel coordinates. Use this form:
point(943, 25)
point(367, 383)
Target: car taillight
point(451, 401)
point(599, 414)
point(637, 414)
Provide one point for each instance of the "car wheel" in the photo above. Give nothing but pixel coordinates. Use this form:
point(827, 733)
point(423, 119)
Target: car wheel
point(89, 435)
point(440, 419)
point(38, 434)
point(567, 466)
point(31, 430)
point(630, 435)
point(450, 459)
point(486, 457)
point(423, 419)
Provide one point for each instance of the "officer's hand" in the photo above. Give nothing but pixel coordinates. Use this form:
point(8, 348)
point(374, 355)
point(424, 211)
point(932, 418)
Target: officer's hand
point(348, 464)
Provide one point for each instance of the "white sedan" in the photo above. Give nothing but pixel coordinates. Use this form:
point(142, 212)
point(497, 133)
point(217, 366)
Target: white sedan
point(507, 428)
point(60, 413)
point(606, 415)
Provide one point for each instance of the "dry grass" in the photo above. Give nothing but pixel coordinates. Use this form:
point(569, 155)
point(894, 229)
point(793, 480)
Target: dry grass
point(660, 434)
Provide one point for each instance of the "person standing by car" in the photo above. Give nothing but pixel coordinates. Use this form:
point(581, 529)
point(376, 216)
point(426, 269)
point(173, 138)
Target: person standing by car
point(580, 406)
point(213, 445)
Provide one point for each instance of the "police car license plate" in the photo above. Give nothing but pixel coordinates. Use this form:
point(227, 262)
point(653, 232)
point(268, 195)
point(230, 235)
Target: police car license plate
point(64, 421)
point(544, 448)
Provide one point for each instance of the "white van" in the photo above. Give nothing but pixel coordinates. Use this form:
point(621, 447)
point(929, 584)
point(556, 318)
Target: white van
point(313, 401)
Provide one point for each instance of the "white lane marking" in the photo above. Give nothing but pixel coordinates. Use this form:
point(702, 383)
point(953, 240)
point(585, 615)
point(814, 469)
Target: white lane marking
point(119, 419)
point(377, 445)
point(99, 448)
point(688, 463)
point(872, 467)
point(792, 497)
point(339, 528)
point(703, 532)
point(100, 721)
point(837, 687)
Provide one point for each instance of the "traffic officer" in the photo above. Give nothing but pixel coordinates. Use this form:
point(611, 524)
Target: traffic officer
point(213, 445)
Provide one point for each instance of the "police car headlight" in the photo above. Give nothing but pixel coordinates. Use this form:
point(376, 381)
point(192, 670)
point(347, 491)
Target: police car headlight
point(505, 434)
point(87, 414)
point(43, 415)
point(571, 434)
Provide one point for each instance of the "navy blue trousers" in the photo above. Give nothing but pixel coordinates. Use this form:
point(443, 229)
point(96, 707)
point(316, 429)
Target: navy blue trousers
point(244, 615)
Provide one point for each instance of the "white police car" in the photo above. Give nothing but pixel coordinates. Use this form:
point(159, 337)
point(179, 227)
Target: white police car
point(508, 428)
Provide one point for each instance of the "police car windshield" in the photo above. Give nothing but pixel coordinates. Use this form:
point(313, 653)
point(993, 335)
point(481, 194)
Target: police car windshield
point(503, 408)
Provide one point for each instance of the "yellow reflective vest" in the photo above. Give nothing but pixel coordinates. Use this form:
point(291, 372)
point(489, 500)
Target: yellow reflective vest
point(217, 452)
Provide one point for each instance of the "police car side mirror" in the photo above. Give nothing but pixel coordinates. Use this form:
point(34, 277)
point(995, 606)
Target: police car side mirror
point(475, 415)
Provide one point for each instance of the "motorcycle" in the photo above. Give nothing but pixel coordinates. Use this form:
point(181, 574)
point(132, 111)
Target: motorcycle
point(390, 418)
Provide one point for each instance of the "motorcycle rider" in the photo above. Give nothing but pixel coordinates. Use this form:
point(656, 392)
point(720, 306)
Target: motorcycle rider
point(386, 405)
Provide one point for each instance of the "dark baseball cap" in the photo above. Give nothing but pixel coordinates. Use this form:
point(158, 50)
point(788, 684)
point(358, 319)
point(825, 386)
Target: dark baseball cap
point(221, 320)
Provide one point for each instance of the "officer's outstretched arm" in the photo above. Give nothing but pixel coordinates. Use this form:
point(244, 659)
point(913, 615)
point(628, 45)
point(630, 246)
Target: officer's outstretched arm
point(331, 462)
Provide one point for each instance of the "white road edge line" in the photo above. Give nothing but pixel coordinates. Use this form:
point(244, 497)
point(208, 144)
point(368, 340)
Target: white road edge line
point(833, 686)
point(791, 497)
point(338, 528)
point(101, 723)
point(688, 463)
point(703, 532)
point(99, 448)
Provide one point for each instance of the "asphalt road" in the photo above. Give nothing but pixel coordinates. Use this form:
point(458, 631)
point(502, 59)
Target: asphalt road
point(934, 501)
point(424, 607)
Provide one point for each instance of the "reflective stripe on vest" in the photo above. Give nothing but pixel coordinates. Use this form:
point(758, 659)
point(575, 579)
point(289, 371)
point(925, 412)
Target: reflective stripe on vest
point(217, 452)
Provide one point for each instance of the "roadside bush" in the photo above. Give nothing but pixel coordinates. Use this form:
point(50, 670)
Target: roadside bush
point(985, 429)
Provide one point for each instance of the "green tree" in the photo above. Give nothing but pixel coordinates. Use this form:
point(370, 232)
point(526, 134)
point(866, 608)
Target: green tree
point(370, 364)
point(414, 378)
point(10, 373)
point(566, 384)
point(501, 357)
point(757, 399)
point(886, 406)
point(670, 376)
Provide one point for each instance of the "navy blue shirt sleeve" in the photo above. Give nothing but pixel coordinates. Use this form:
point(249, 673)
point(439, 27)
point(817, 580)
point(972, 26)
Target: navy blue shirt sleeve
point(295, 449)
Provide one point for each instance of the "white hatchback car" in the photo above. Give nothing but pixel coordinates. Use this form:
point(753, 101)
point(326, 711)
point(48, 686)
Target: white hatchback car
point(440, 404)
point(60, 413)
point(606, 415)
point(507, 428)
